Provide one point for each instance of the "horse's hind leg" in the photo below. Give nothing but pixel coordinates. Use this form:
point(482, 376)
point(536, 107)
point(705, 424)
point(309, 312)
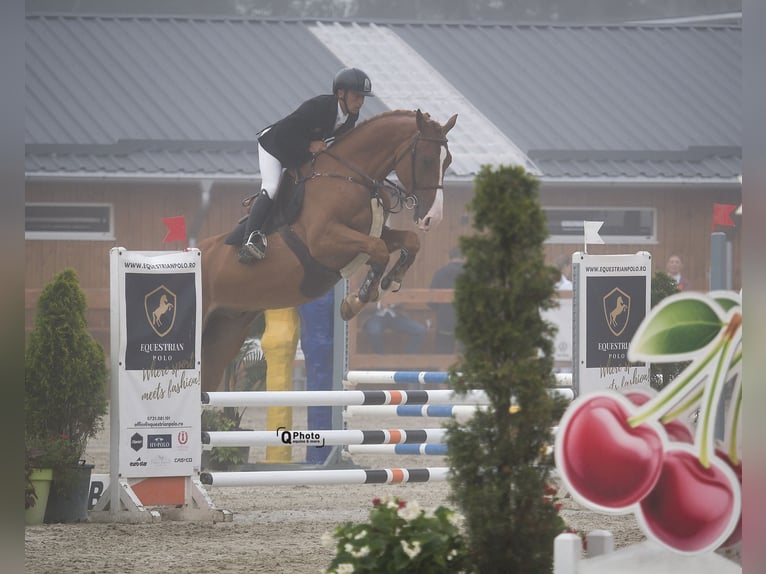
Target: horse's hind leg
point(222, 338)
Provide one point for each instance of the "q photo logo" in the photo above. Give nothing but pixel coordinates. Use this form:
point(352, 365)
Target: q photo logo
point(617, 310)
point(160, 307)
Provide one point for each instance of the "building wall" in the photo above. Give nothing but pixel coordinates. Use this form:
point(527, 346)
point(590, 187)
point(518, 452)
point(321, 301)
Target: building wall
point(683, 227)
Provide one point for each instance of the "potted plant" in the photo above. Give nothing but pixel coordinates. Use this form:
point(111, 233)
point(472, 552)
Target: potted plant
point(37, 486)
point(65, 394)
point(223, 457)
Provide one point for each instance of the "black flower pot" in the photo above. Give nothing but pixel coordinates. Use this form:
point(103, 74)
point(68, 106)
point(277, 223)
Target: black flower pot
point(70, 504)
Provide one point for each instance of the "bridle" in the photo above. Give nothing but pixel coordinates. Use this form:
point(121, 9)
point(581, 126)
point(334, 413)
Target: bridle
point(404, 198)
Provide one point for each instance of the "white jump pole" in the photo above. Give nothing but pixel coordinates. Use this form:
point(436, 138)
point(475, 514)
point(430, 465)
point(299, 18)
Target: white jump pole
point(311, 477)
point(339, 398)
point(286, 437)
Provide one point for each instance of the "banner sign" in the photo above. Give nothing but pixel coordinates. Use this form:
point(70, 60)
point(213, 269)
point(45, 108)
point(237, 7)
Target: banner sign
point(613, 296)
point(160, 339)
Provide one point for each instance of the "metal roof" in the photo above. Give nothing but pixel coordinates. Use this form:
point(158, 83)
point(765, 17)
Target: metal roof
point(179, 96)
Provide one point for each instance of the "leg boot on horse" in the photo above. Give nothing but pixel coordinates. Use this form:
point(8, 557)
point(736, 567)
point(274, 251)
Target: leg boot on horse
point(254, 246)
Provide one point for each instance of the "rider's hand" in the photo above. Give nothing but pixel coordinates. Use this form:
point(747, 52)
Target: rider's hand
point(317, 146)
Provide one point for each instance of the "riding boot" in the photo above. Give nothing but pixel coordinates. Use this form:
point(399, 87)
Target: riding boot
point(254, 246)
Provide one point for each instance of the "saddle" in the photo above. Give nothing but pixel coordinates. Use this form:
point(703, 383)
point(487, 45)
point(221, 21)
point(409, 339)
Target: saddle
point(287, 208)
point(317, 278)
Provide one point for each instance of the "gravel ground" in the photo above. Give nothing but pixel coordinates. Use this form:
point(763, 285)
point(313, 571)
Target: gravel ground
point(275, 529)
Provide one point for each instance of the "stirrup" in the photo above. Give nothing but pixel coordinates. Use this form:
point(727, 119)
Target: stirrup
point(254, 248)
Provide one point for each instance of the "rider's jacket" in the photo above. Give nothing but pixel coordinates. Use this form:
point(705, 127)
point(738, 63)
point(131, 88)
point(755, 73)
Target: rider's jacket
point(288, 139)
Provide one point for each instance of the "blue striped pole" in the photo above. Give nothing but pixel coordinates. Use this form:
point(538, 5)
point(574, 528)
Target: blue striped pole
point(429, 449)
point(412, 410)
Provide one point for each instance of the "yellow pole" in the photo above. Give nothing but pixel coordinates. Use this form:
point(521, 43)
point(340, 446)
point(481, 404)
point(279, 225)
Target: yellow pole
point(279, 344)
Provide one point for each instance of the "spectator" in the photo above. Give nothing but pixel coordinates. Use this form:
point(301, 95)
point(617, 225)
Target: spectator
point(673, 268)
point(387, 317)
point(564, 263)
point(444, 278)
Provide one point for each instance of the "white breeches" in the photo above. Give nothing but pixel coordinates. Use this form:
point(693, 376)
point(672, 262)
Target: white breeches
point(271, 172)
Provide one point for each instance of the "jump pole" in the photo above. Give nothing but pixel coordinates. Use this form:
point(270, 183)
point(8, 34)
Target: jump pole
point(313, 477)
point(413, 410)
point(323, 437)
point(420, 378)
point(340, 398)
point(405, 449)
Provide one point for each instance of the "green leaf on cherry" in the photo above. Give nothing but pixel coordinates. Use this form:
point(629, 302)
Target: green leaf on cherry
point(678, 329)
point(726, 299)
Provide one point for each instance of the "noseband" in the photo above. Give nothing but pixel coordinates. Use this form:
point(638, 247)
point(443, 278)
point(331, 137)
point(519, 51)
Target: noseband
point(409, 199)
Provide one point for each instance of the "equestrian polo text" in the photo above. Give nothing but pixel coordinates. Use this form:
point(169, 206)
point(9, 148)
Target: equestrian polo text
point(173, 385)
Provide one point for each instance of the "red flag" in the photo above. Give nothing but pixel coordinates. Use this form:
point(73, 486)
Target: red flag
point(722, 215)
point(176, 229)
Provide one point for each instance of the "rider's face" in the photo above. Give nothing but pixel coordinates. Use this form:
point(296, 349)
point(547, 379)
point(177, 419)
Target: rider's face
point(350, 102)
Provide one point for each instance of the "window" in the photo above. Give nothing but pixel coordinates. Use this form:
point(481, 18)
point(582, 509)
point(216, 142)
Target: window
point(69, 221)
point(621, 224)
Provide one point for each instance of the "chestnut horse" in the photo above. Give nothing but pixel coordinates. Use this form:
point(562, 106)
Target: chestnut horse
point(346, 198)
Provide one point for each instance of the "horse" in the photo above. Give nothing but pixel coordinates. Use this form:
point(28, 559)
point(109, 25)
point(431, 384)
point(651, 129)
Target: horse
point(340, 226)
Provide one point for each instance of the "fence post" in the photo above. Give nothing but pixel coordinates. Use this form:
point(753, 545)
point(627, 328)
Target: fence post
point(567, 548)
point(599, 542)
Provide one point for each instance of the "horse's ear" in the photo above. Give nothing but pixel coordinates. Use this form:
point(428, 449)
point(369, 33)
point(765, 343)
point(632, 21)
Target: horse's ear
point(449, 125)
point(421, 122)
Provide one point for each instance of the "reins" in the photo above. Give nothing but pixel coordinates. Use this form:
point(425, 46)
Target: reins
point(402, 199)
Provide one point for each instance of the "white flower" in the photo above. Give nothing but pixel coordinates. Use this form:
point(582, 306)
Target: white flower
point(361, 535)
point(345, 568)
point(411, 550)
point(349, 548)
point(409, 512)
point(361, 553)
point(327, 539)
point(455, 518)
point(452, 554)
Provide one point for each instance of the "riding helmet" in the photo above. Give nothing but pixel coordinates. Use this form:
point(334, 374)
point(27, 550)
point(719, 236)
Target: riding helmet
point(352, 79)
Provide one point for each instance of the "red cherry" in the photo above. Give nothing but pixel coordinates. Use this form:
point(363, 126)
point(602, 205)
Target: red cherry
point(736, 535)
point(677, 430)
point(691, 508)
point(605, 462)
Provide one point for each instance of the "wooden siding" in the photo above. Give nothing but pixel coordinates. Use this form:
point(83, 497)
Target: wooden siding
point(683, 227)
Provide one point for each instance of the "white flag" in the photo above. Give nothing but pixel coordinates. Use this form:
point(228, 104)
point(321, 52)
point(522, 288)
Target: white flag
point(591, 231)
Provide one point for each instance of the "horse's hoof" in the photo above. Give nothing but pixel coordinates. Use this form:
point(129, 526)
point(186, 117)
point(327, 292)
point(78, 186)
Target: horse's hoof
point(385, 282)
point(346, 311)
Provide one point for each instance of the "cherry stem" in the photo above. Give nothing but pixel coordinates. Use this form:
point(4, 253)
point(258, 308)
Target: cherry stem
point(676, 390)
point(713, 390)
point(685, 406)
point(734, 413)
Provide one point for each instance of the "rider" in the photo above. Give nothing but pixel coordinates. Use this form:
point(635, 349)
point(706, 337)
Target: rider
point(290, 142)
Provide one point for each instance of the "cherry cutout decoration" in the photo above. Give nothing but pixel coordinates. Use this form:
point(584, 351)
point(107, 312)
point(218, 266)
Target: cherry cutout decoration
point(677, 430)
point(691, 507)
point(736, 535)
point(605, 461)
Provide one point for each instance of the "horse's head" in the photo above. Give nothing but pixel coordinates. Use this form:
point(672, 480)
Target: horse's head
point(421, 166)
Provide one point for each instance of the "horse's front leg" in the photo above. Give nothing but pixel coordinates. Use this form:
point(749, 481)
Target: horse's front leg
point(368, 291)
point(337, 245)
point(408, 244)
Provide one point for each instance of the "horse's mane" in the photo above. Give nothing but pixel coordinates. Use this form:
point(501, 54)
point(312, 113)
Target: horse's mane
point(363, 126)
point(385, 115)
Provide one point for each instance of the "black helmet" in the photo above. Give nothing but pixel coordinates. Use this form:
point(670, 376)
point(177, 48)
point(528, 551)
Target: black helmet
point(352, 79)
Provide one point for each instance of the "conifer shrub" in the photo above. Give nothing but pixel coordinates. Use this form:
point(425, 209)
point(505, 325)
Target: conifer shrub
point(500, 470)
point(65, 378)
